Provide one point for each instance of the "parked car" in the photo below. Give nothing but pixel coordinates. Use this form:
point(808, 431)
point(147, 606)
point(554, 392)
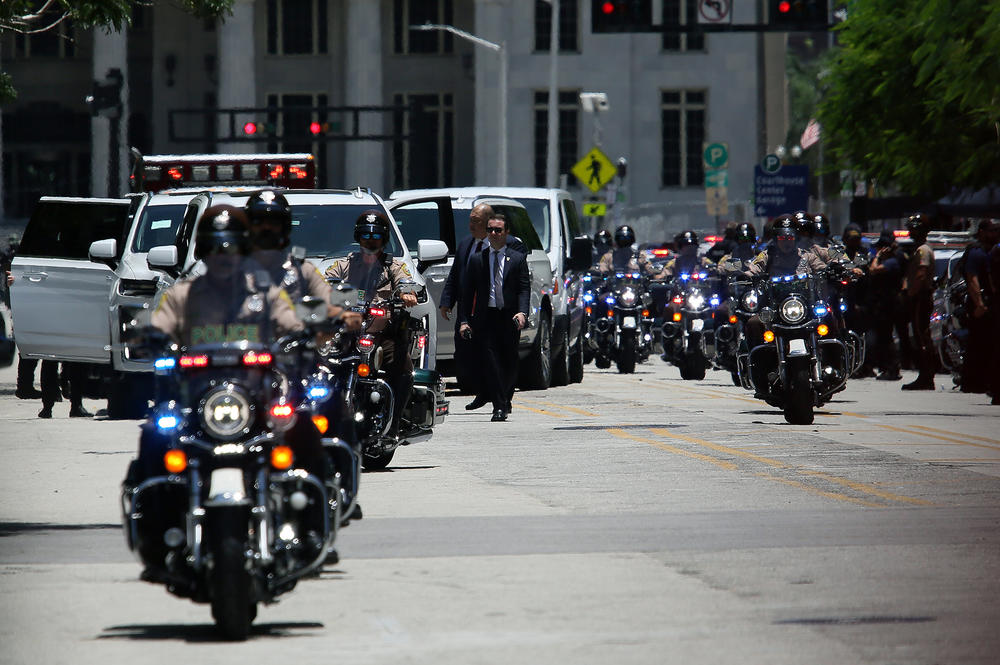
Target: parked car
point(88, 265)
point(553, 216)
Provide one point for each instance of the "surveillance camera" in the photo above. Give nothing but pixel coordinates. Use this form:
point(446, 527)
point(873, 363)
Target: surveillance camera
point(594, 102)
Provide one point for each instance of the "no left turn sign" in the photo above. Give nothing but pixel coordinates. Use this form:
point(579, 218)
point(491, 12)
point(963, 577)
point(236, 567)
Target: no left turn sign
point(714, 12)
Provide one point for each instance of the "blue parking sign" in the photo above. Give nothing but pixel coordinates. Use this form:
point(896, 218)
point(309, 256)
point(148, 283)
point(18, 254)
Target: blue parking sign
point(785, 191)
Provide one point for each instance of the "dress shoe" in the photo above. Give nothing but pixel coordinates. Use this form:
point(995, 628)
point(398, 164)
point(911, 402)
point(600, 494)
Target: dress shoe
point(499, 415)
point(919, 385)
point(28, 393)
point(477, 403)
point(510, 407)
point(78, 411)
point(886, 376)
point(46, 412)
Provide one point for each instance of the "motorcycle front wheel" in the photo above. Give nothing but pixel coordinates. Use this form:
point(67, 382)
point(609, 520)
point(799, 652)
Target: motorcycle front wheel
point(233, 607)
point(626, 358)
point(799, 400)
point(377, 462)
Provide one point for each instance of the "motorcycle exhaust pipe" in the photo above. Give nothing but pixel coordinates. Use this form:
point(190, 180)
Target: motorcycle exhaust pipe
point(670, 329)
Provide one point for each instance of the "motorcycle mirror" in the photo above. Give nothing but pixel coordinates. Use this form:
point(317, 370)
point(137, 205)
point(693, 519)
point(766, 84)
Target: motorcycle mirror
point(311, 310)
point(408, 286)
point(343, 294)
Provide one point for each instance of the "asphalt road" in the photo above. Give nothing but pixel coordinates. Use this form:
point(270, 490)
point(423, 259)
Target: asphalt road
point(627, 519)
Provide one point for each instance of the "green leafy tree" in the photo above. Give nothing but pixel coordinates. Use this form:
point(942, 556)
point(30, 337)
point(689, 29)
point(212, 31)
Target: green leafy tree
point(35, 16)
point(912, 97)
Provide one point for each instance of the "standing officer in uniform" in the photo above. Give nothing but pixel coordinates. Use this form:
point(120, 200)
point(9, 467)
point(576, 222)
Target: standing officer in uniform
point(981, 304)
point(494, 307)
point(376, 275)
point(886, 275)
point(919, 288)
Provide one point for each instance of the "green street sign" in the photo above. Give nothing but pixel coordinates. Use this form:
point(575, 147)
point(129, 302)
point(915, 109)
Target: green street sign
point(715, 155)
point(716, 178)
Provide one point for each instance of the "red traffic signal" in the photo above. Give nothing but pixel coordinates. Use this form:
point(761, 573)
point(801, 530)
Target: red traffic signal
point(621, 16)
point(315, 128)
point(799, 14)
point(250, 128)
point(784, 7)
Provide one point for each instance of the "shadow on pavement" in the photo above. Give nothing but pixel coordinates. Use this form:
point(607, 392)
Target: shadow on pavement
point(202, 632)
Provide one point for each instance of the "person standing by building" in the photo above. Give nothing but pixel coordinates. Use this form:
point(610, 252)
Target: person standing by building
point(918, 286)
point(493, 309)
point(886, 275)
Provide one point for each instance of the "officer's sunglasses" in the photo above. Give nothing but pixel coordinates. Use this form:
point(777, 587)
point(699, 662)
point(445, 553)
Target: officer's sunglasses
point(371, 236)
point(225, 249)
point(495, 229)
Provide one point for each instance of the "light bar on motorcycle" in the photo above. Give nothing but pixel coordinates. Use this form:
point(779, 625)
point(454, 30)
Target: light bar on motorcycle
point(714, 301)
point(820, 310)
point(376, 311)
point(619, 275)
point(164, 364)
point(822, 330)
point(421, 341)
point(588, 297)
point(282, 457)
point(175, 460)
point(281, 416)
point(610, 300)
point(167, 421)
point(843, 307)
point(251, 358)
point(685, 276)
point(318, 391)
point(768, 336)
point(193, 361)
point(366, 341)
point(701, 275)
point(678, 300)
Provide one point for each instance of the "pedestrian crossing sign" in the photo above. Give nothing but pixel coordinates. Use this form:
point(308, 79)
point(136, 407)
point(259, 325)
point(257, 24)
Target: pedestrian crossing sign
point(595, 209)
point(595, 170)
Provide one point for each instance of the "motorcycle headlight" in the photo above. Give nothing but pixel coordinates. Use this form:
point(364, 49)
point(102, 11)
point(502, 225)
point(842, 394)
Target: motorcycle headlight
point(226, 412)
point(751, 300)
point(793, 310)
point(695, 301)
point(628, 297)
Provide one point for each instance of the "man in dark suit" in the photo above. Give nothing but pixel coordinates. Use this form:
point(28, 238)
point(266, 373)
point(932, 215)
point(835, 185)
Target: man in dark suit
point(493, 309)
point(466, 367)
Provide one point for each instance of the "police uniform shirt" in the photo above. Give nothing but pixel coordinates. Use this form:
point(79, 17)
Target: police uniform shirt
point(377, 279)
point(796, 262)
point(297, 277)
point(923, 256)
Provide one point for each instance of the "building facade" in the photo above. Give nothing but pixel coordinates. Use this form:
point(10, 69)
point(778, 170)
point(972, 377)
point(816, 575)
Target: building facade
point(429, 101)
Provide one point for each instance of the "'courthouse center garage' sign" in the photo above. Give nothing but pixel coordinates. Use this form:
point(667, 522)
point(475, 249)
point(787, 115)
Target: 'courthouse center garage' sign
point(784, 191)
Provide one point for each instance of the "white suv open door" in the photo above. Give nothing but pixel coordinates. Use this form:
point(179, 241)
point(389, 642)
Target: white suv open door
point(60, 298)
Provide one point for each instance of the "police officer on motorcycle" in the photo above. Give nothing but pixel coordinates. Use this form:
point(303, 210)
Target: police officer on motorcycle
point(376, 275)
point(602, 244)
point(621, 258)
point(687, 259)
point(745, 238)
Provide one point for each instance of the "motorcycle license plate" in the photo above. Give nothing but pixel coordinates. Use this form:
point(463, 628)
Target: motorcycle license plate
point(797, 347)
point(628, 322)
point(697, 325)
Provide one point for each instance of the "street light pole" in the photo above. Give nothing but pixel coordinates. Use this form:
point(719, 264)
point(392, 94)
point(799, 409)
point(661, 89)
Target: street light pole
point(551, 144)
point(501, 50)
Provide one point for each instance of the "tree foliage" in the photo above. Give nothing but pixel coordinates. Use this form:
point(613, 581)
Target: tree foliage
point(35, 16)
point(912, 97)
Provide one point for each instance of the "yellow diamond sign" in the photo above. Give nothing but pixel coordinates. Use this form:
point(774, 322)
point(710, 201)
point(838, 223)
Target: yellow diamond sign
point(595, 170)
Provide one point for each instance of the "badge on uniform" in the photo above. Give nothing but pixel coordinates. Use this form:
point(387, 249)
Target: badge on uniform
point(290, 277)
point(255, 303)
point(361, 295)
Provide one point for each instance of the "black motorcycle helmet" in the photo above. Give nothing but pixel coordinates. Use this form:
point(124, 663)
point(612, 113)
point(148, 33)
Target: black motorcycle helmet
point(602, 240)
point(685, 238)
point(372, 221)
point(804, 222)
point(746, 233)
point(918, 225)
point(271, 206)
point(222, 228)
point(624, 236)
point(821, 225)
point(784, 225)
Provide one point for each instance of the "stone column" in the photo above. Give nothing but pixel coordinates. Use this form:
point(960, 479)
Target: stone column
point(490, 19)
point(363, 30)
point(110, 52)
point(237, 70)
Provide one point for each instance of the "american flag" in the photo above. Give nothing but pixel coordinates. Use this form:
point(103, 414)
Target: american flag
point(810, 135)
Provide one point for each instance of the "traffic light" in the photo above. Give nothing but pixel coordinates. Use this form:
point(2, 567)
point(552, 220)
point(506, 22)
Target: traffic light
point(799, 14)
point(621, 16)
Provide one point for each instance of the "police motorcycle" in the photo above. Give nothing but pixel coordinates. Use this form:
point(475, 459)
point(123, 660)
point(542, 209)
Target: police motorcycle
point(840, 277)
point(742, 301)
point(591, 286)
point(621, 322)
point(801, 364)
point(369, 389)
point(242, 499)
point(688, 331)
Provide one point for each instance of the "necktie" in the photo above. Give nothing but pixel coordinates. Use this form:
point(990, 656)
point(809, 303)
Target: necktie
point(497, 280)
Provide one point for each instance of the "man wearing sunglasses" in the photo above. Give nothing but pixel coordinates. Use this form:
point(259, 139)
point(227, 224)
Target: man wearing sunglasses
point(376, 275)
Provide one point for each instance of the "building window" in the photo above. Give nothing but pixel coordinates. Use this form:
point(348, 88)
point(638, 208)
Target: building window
point(56, 42)
point(569, 132)
point(568, 28)
point(417, 12)
point(682, 122)
point(425, 159)
point(296, 27)
point(682, 12)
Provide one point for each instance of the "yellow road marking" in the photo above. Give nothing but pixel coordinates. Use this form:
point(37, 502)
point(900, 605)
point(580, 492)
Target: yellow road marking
point(563, 407)
point(938, 436)
point(944, 431)
point(719, 448)
point(867, 489)
point(673, 449)
point(551, 414)
point(815, 490)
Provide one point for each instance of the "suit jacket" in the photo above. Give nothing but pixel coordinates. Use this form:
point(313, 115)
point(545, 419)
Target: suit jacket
point(476, 290)
point(452, 291)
